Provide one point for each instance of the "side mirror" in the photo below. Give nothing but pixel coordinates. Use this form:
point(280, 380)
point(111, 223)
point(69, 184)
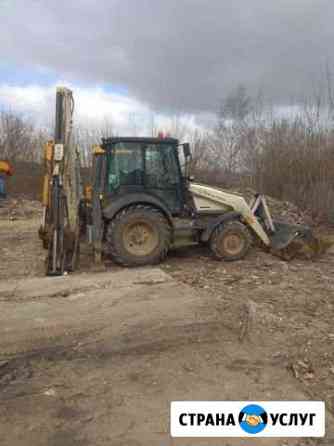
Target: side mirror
point(186, 150)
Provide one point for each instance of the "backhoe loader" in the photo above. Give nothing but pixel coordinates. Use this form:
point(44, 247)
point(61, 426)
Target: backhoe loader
point(143, 201)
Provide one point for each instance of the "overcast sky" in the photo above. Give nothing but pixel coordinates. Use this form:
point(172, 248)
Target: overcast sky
point(166, 55)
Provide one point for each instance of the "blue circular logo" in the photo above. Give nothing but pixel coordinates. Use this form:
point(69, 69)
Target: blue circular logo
point(253, 419)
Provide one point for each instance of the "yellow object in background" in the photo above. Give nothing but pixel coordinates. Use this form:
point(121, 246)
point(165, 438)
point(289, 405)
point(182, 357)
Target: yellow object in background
point(7, 168)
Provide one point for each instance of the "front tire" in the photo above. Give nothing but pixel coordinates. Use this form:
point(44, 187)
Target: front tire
point(230, 241)
point(139, 235)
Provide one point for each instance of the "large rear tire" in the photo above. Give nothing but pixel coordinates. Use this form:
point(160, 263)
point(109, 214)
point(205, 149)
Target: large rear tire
point(230, 241)
point(139, 235)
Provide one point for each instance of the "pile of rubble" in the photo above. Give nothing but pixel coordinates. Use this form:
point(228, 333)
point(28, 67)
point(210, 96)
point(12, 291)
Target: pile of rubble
point(19, 209)
point(284, 211)
point(288, 212)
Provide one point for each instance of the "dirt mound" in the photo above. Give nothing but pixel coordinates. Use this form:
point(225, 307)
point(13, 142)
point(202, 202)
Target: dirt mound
point(19, 208)
point(281, 210)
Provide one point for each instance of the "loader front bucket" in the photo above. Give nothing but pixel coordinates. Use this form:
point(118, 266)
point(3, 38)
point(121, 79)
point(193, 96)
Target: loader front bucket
point(287, 241)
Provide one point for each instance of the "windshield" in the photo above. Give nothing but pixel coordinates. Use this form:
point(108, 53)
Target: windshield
point(161, 166)
point(125, 165)
point(137, 164)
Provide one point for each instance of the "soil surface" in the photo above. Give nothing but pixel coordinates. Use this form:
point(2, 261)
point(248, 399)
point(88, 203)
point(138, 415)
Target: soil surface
point(95, 358)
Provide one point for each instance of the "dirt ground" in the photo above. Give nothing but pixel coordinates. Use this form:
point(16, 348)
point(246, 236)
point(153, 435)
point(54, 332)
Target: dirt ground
point(96, 357)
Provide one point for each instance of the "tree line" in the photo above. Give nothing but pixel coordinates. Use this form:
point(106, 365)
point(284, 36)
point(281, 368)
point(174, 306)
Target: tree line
point(286, 153)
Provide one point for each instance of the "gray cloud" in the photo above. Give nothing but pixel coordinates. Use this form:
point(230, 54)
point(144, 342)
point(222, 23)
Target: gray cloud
point(175, 54)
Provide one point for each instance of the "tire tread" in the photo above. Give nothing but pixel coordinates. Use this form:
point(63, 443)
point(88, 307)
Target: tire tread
point(164, 229)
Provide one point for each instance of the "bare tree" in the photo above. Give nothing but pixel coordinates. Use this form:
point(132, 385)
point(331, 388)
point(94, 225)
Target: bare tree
point(227, 139)
point(19, 140)
point(237, 106)
point(87, 135)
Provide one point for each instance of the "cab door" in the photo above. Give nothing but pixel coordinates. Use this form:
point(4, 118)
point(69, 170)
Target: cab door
point(163, 175)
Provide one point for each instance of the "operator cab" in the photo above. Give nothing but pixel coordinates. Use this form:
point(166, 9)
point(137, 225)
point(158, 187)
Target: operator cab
point(145, 165)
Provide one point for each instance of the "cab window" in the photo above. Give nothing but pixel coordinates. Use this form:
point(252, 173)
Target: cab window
point(161, 169)
point(125, 166)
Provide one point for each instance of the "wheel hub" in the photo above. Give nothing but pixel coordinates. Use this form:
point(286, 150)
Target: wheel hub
point(233, 244)
point(140, 238)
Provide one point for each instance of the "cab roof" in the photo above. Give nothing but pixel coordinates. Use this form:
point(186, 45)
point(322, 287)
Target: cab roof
point(140, 140)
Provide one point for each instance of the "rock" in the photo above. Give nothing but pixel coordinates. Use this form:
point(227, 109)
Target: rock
point(50, 392)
